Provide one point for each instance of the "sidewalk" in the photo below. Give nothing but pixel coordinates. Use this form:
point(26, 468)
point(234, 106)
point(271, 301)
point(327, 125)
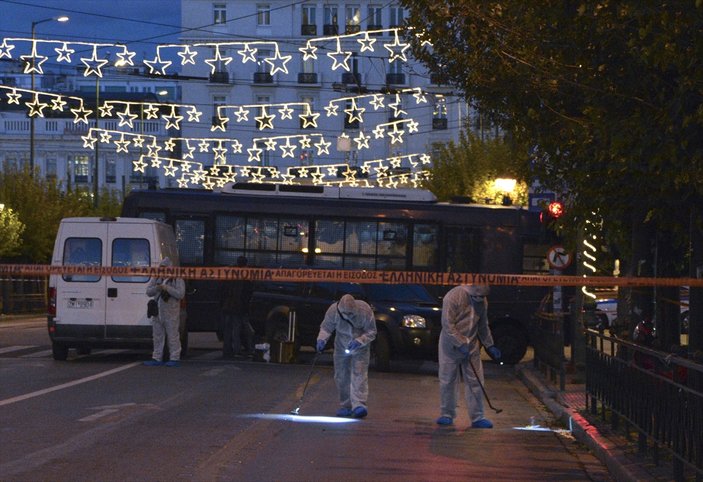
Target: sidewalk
point(617, 453)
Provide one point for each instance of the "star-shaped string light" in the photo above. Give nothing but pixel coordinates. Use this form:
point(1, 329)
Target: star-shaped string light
point(127, 117)
point(64, 53)
point(106, 109)
point(366, 43)
point(248, 54)
point(216, 62)
point(6, 49)
point(187, 55)
point(397, 49)
point(158, 66)
point(339, 57)
point(33, 62)
point(93, 64)
point(36, 108)
point(264, 120)
point(125, 57)
point(173, 120)
point(278, 62)
point(309, 51)
point(194, 114)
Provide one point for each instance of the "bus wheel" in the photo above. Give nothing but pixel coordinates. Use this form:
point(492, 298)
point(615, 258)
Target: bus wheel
point(59, 351)
point(511, 340)
point(381, 352)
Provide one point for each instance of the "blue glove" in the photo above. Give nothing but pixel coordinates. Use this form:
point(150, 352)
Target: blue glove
point(321, 345)
point(353, 345)
point(464, 350)
point(494, 352)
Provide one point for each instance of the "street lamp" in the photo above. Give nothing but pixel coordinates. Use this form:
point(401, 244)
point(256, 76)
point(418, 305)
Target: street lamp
point(62, 18)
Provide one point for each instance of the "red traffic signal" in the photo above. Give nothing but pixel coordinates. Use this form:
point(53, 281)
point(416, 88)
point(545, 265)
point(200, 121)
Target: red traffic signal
point(555, 209)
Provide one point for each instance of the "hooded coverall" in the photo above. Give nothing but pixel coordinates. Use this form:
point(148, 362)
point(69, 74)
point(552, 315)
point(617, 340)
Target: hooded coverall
point(463, 322)
point(166, 323)
point(351, 370)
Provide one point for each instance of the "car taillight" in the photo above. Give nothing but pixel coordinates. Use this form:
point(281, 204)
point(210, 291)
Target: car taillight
point(51, 309)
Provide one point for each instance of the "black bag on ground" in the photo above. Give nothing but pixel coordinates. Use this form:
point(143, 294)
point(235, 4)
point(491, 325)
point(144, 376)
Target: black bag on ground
point(152, 308)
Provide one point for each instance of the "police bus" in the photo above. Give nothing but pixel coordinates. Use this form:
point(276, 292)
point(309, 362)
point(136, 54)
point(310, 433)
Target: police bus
point(298, 226)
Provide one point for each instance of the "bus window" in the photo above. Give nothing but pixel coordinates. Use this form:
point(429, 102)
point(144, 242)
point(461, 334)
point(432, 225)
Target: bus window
point(190, 237)
point(329, 243)
point(392, 245)
point(360, 245)
point(156, 215)
point(229, 239)
point(461, 249)
point(292, 240)
point(425, 246)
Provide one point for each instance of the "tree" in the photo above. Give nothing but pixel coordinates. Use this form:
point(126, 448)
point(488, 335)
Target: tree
point(10, 232)
point(607, 93)
point(41, 205)
point(469, 168)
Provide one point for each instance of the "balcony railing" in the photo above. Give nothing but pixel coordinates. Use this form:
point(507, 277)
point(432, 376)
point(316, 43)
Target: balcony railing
point(330, 29)
point(439, 123)
point(308, 29)
point(373, 26)
point(395, 78)
point(263, 78)
point(352, 28)
point(307, 77)
point(219, 77)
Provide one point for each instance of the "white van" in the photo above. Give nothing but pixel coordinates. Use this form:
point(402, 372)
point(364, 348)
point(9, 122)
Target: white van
point(93, 311)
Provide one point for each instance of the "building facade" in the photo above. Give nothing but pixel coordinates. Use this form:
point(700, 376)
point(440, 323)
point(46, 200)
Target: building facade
point(281, 80)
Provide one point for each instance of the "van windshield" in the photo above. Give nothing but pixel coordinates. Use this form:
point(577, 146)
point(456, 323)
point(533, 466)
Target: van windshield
point(398, 293)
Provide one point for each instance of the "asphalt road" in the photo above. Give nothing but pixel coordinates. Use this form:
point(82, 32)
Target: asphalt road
point(106, 417)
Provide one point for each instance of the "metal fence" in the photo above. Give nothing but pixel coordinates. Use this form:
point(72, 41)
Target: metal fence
point(658, 395)
point(22, 295)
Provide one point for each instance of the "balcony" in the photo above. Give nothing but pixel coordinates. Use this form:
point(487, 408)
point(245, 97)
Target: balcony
point(439, 123)
point(351, 78)
point(219, 77)
point(352, 28)
point(350, 125)
point(307, 77)
point(263, 78)
point(395, 79)
point(330, 29)
point(308, 29)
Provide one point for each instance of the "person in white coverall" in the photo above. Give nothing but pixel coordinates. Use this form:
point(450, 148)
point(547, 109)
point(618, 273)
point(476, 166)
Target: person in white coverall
point(169, 292)
point(355, 327)
point(464, 323)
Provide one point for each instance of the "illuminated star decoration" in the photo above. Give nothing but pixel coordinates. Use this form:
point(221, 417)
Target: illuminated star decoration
point(125, 57)
point(264, 121)
point(354, 113)
point(309, 51)
point(6, 49)
point(216, 62)
point(278, 62)
point(194, 114)
point(93, 65)
point(366, 43)
point(397, 49)
point(173, 120)
point(36, 108)
point(32, 63)
point(309, 118)
point(158, 66)
point(63, 53)
point(187, 56)
point(248, 54)
point(340, 58)
point(127, 117)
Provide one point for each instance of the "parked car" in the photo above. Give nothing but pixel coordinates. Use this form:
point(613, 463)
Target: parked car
point(408, 317)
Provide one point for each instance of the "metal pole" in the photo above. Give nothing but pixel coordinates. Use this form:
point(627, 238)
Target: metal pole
point(31, 118)
point(97, 144)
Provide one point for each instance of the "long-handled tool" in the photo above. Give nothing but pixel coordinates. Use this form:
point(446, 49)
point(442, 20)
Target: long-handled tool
point(296, 410)
point(478, 379)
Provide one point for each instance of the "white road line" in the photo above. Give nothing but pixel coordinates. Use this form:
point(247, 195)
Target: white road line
point(38, 393)
point(9, 349)
point(38, 354)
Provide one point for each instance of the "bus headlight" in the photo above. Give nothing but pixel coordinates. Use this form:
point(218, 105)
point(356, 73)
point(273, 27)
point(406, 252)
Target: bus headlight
point(414, 321)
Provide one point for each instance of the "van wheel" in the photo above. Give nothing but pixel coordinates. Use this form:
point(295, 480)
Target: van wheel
point(381, 352)
point(59, 351)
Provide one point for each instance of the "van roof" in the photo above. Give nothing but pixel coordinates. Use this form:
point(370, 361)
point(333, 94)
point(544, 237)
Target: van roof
point(109, 220)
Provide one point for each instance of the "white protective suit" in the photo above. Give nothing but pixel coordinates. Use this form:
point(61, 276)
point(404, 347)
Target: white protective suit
point(165, 325)
point(351, 370)
point(463, 322)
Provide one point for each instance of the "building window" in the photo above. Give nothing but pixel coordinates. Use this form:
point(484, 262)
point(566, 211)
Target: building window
point(219, 13)
point(263, 15)
point(51, 170)
point(307, 73)
point(264, 100)
point(331, 20)
point(397, 17)
point(265, 155)
point(263, 69)
point(439, 113)
point(374, 18)
point(217, 113)
point(353, 19)
point(110, 171)
point(395, 73)
point(309, 21)
point(309, 109)
point(81, 169)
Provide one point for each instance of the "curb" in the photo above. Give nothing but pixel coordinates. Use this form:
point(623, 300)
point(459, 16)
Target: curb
point(606, 450)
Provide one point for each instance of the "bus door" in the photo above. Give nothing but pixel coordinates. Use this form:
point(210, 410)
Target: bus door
point(203, 296)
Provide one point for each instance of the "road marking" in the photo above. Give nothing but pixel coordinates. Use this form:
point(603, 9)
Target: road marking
point(38, 354)
point(105, 410)
point(9, 349)
point(38, 393)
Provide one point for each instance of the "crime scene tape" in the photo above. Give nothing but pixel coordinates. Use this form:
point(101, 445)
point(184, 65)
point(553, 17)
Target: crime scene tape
point(226, 273)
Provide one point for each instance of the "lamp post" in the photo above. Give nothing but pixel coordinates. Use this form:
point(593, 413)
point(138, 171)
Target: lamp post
point(62, 19)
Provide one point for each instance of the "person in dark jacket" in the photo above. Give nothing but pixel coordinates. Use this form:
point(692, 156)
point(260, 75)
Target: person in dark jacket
point(234, 303)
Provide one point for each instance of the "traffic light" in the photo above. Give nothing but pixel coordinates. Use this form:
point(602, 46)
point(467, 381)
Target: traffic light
point(554, 210)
